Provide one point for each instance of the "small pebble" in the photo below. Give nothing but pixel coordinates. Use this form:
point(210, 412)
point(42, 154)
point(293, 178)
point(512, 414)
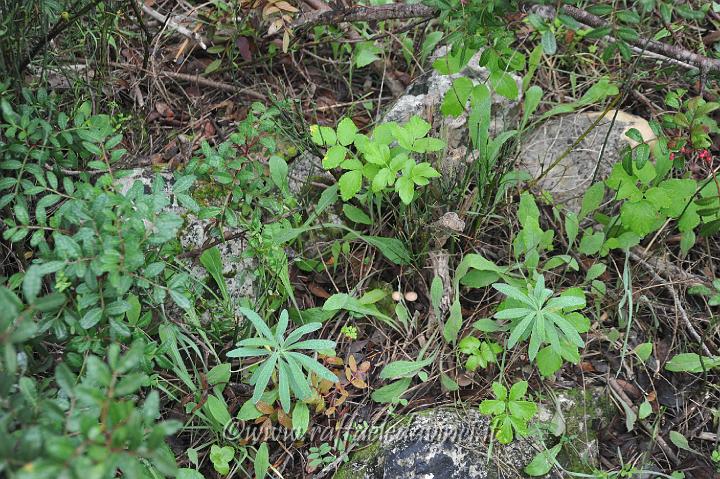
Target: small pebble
point(411, 296)
point(396, 296)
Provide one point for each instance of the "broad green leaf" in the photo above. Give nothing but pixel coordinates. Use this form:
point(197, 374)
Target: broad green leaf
point(219, 374)
point(448, 383)
point(592, 199)
point(543, 462)
point(300, 419)
point(456, 97)
point(401, 369)
point(405, 188)
point(346, 131)
point(91, 318)
point(365, 54)
point(643, 351)
point(350, 184)
point(261, 464)
point(356, 215)
point(548, 42)
point(518, 390)
point(504, 84)
point(454, 322)
point(692, 363)
point(595, 271)
point(392, 248)
point(323, 135)
point(218, 410)
point(391, 393)
point(644, 410)
point(180, 299)
point(278, 172)
point(641, 217)
point(532, 99)
point(334, 156)
point(571, 227)
point(591, 242)
point(492, 407)
point(681, 441)
point(548, 361)
point(212, 261)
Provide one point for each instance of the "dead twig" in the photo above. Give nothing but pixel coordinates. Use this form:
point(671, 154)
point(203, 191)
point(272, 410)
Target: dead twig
point(200, 250)
point(165, 19)
point(197, 79)
point(622, 397)
point(676, 299)
point(396, 11)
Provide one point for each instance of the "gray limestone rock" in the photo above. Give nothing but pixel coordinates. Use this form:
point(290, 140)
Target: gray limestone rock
point(424, 98)
point(569, 179)
point(440, 444)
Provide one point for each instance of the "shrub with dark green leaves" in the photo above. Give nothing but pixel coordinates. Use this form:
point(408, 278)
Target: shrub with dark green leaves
point(90, 425)
point(92, 259)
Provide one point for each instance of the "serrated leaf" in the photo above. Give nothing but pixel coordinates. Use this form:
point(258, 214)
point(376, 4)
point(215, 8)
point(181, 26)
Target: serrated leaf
point(346, 131)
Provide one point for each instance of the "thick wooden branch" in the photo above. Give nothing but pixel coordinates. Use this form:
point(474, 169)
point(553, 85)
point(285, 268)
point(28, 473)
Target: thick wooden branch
point(676, 53)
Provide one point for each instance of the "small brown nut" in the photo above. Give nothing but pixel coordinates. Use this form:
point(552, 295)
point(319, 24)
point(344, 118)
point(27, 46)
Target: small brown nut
point(411, 296)
point(396, 296)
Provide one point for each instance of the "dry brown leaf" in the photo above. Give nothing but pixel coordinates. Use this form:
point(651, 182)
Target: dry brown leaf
point(317, 290)
point(352, 364)
point(269, 9)
point(284, 419)
point(359, 383)
point(264, 408)
point(275, 27)
point(283, 5)
point(243, 46)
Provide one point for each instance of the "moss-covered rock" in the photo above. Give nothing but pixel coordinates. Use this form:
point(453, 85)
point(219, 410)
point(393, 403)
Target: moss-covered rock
point(441, 443)
point(578, 414)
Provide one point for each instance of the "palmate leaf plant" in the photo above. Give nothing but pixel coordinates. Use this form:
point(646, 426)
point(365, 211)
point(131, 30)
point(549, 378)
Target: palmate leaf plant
point(535, 313)
point(283, 361)
point(382, 162)
point(480, 354)
point(509, 411)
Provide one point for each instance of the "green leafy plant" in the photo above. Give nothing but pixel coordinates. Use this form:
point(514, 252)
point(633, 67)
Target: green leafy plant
point(382, 162)
point(535, 313)
point(320, 456)
point(480, 353)
point(692, 118)
point(509, 411)
point(72, 424)
point(543, 461)
point(402, 374)
point(350, 332)
point(221, 457)
point(713, 294)
point(692, 363)
point(282, 358)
